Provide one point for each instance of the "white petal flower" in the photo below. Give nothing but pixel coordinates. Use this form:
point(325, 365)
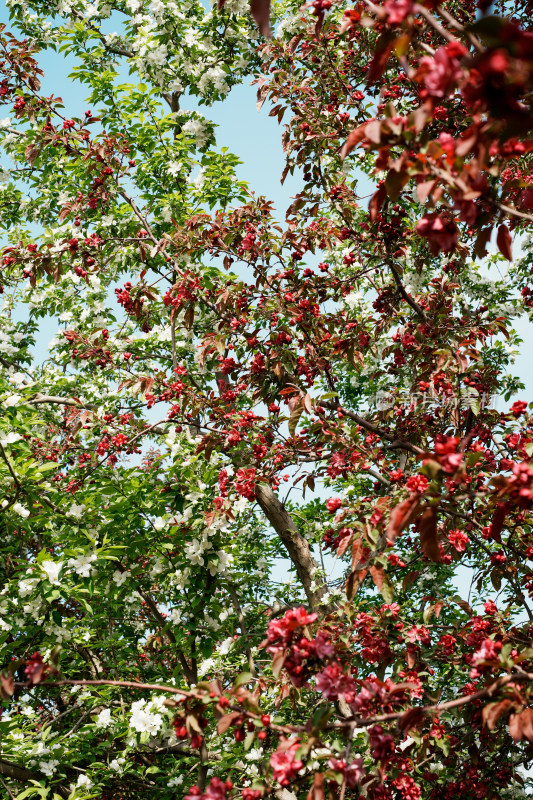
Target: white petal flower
point(52, 570)
point(225, 646)
point(13, 400)
point(76, 511)
point(103, 720)
point(83, 564)
point(10, 438)
point(120, 577)
point(142, 720)
point(20, 510)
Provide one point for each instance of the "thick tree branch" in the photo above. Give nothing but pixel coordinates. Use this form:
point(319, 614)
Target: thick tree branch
point(297, 547)
point(18, 773)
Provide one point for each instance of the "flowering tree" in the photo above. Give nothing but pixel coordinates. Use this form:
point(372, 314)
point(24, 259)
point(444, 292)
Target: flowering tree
point(227, 389)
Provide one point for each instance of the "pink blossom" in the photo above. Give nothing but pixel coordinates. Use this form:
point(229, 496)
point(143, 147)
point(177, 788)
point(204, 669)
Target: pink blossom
point(440, 231)
point(417, 483)
point(285, 766)
point(334, 683)
point(352, 773)
point(382, 743)
point(490, 607)
point(488, 651)
point(442, 71)
point(407, 787)
point(397, 10)
point(458, 539)
point(283, 628)
point(419, 634)
point(332, 504)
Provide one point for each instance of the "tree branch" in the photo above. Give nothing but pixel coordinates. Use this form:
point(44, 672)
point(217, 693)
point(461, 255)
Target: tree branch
point(297, 547)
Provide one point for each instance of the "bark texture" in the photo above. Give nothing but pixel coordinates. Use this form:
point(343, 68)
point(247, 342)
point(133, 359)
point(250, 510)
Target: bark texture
point(297, 547)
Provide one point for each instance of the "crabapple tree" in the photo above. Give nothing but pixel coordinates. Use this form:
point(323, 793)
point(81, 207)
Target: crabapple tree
point(237, 392)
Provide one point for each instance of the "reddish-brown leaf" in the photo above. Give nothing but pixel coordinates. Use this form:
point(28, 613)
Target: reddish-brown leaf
point(429, 540)
point(411, 719)
point(260, 11)
point(438, 608)
point(8, 685)
point(378, 576)
point(521, 725)
point(503, 240)
point(354, 581)
point(376, 201)
point(343, 546)
point(401, 515)
point(493, 711)
point(515, 726)
point(498, 519)
point(227, 721)
point(278, 660)
point(382, 51)
point(188, 319)
point(424, 189)
point(357, 551)
point(483, 238)
point(353, 140)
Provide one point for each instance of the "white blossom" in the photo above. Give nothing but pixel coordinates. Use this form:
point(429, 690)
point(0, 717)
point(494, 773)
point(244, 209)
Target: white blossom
point(225, 646)
point(103, 720)
point(52, 570)
point(10, 438)
point(195, 127)
point(20, 510)
point(76, 511)
point(83, 564)
point(120, 577)
point(142, 720)
point(194, 552)
point(48, 767)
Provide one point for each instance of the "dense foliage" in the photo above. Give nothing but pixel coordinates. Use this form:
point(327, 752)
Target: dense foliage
point(233, 388)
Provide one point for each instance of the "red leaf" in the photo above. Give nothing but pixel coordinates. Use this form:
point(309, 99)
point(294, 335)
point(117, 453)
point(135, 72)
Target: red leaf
point(376, 201)
point(411, 719)
point(483, 238)
point(377, 576)
point(429, 540)
point(493, 711)
point(260, 11)
point(226, 721)
point(424, 189)
point(353, 140)
point(503, 240)
point(526, 718)
point(515, 727)
point(402, 515)
point(343, 546)
point(378, 64)
point(357, 552)
point(498, 519)
point(8, 685)
point(373, 131)
point(278, 660)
